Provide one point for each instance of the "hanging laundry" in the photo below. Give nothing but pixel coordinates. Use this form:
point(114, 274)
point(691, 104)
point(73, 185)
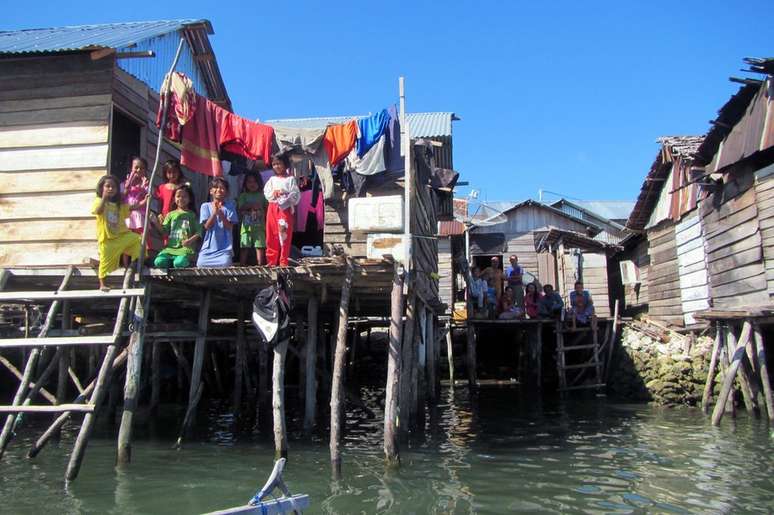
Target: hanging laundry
point(304, 140)
point(303, 170)
point(393, 160)
point(371, 163)
point(244, 137)
point(322, 166)
point(340, 140)
point(182, 103)
point(308, 205)
point(371, 129)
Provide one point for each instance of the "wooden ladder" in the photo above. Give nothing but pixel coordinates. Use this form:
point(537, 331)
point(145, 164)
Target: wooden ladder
point(90, 398)
point(583, 338)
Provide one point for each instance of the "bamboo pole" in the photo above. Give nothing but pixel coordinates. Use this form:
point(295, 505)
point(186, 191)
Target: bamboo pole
point(278, 399)
point(713, 368)
point(133, 377)
point(200, 350)
point(408, 352)
point(29, 367)
point(393, 369)
point(764, 371)
point(339, 364)
point(103, 380)
point(728, 380)
point(64, 359)
point(310, 396)
point(239, 364)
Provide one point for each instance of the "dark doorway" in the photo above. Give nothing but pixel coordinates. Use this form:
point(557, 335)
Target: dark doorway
point(125, 144)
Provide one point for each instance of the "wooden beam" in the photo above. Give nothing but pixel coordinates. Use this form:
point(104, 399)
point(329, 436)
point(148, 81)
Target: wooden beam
point(393, 369)
point(7, 343)
point(85, 408)
point(713, 367)
point(728, 380)
point(119, 293)
point(339, 363)
point(101, 53)
point(310, 396)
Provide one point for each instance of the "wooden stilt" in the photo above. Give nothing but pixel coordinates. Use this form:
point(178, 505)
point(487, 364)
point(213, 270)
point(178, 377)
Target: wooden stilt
point(450, 355)
point(728, 380)
point(278, 399)
point(408, 351)
point(430, 342)
point(560, 361)
point(133, 375)
point(339, 364)
point(611, 342)
point(216, 371)
point(539, 356)
point(310, 395)
point(198, 363)
point(155, 376)
point(64, 359)
point(263, 380)
point(299, 337)
point(239, 364)
point(708, 386)
point(393, 370)
point(470, 333)
point(760, 349)
point(744, 382)
point(101, 384)
point(30, 364)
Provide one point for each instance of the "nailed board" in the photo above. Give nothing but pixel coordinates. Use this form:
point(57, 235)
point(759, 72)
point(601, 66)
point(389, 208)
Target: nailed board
point(53, 135)
point(44, 181)
point(54, 158)
point(80, 229)
point(61, 253)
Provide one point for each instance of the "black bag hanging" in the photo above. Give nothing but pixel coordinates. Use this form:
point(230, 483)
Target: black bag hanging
point(271, 313)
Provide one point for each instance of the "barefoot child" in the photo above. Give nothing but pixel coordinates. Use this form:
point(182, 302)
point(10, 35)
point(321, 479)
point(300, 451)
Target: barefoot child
point(217, 218)
point(134, 192)
point(283, 194)
point(182, 229)
point(252, 212)
point(165, 192)
point(114, 239)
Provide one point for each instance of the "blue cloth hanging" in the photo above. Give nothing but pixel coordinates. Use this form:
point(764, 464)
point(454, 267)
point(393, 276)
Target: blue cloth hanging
point(371, 129)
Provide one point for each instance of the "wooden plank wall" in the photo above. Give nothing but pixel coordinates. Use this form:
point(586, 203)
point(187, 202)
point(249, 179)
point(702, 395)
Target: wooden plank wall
point(594, 276)
point(445, 272)
point(523, 246)
point(733, 243)
point(764, 197)
point(664, 303)
point(636, 295)
point(692, 267)
point(54, 118)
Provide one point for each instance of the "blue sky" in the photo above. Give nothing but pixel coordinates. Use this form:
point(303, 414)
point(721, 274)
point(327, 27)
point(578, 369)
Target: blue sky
point(567, 96)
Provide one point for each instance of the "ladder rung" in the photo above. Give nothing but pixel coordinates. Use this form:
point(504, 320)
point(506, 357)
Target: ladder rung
point(578, 347)
point(584, 386)
point(71, 294)
point(582, 365)
point(64, 340)
point(86, 408)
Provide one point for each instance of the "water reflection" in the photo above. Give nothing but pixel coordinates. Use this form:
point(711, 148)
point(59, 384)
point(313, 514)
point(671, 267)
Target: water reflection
point(490, 451)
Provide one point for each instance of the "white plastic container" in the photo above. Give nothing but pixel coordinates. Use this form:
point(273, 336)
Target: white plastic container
point(380, 245)
point(376, 214)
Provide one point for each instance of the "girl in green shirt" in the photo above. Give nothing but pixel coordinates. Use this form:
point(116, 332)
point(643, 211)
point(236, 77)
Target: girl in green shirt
point(182, 228)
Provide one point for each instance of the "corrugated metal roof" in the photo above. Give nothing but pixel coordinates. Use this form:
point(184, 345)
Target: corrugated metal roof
point(450, 228)
point(610, 209)
point(109, 35)
point(422, 125)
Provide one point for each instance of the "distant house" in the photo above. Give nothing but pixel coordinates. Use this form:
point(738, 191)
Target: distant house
point(610, 216)
point(77, 103)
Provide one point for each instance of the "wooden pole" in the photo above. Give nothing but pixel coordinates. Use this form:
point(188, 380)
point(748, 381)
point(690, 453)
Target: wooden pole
point(278, 399)
point(239, 364)
point(198, 362)
point(339, 363)
point(408, 352)
point(64, 359)
point(470, 333)
point(155, 375)
point(263, 381)
point(432, 372)
point(310, 396)
point(728, 380)
point(539, 356)
point(764, 371)
point(391, 453)
point(611, 342)
point(101, 384)
point(133, 375)
point(30, 364)
point(708, 386)
point(747, 395)
point(450, 354)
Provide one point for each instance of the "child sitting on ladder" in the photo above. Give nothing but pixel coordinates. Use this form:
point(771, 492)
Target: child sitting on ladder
point(114, 240)
point(182, 229)
point(217, 218)
point(283, 194)
point(252, 212)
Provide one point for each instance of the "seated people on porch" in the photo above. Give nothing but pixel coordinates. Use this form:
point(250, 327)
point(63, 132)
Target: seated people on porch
point(217, 218)
point(581, 306)
point(494, 276)
point(181, 230)
point(551, 304)
point(506, 307)
point(532, 299)
point(514, 276)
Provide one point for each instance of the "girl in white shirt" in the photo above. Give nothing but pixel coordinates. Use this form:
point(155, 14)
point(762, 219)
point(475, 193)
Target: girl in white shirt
point(282, 193)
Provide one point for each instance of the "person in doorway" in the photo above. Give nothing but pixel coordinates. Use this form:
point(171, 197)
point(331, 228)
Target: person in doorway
point(217, 218)
point(494, 276)
point(282, 193)
point(514, 275)
point(581, 306)
point(478, 288)
point(252, 211)
point(551, 304)
point(532, 299)
point(115, 241)
point(181, 229)
point(134, 193)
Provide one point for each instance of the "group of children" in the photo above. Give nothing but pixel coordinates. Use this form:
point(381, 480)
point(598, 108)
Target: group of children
point(266, 218)
point(502, 295)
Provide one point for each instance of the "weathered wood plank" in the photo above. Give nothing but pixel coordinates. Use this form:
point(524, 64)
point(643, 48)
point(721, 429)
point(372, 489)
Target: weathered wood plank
point(701, 265)
point(689, 233)
point(731, 221)
point(54, 86)
point(736, 274)
point(60, 253)
point(54, 158)
point(737, 260)
point(732, 235)
point(739, 287)
point(694, 293)
point(691, 306)
point(100, 114)
point(729, 207)
point(50, 181)
point(53, 135)
point(83, 229)
point(39, 104)
point(50, 205)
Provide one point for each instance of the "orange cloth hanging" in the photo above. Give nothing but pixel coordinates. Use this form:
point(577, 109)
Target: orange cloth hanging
point(340, 140)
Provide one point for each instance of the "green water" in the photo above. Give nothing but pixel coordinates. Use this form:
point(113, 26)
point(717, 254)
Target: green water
point(495, 451)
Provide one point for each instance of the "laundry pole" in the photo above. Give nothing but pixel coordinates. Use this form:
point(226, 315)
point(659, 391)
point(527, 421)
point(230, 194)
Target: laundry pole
point(405, 147)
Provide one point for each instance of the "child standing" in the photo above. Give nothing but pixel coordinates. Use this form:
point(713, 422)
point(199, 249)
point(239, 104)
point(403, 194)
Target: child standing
point(182, 229)
point(134, 193)
point(114, 239)
point(252, 212)
point(217, 218)
point(165, 192)
point(282, 192)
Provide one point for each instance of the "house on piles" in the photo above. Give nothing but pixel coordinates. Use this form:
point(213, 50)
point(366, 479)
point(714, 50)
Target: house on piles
point(77, 103)
point(553, 246)
point(704, 216)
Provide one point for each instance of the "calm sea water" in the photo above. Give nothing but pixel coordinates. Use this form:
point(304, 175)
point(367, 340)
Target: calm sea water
point(494, 451)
